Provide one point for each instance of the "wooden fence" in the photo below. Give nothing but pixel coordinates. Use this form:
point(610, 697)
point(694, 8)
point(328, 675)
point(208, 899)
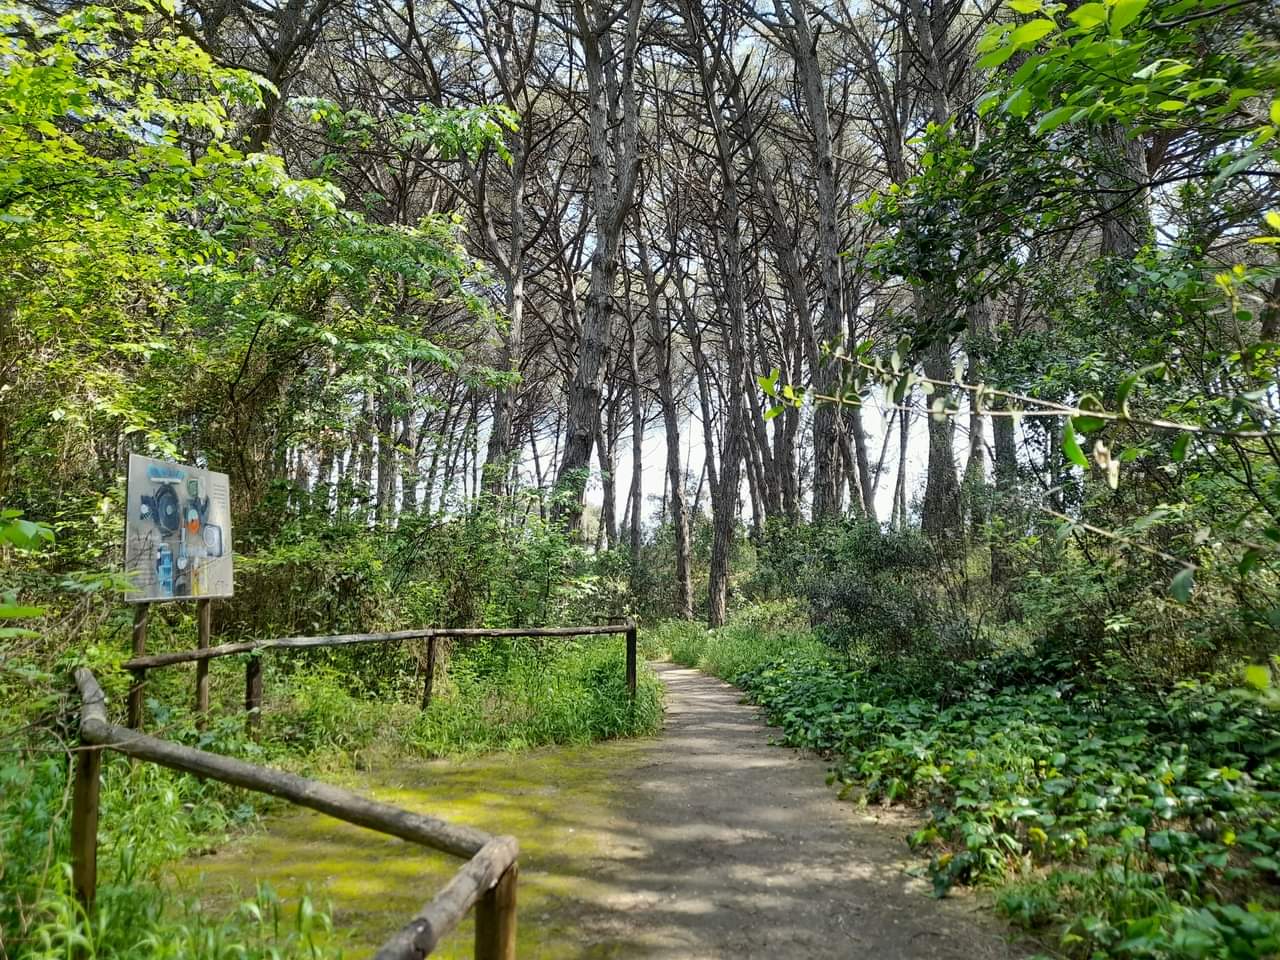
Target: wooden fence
point(486, 881)
point(201, 656)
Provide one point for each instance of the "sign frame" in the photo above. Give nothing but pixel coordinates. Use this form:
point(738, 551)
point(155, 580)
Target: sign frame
point(177, 532)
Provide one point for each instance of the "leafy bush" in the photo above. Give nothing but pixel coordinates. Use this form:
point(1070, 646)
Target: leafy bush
point(873, 593)
point(320, 711)
point(756, 635)
point(510, 695)
point(1161, 809)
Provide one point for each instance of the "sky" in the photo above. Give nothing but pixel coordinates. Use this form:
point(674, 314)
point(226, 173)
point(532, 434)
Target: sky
point(692, 455)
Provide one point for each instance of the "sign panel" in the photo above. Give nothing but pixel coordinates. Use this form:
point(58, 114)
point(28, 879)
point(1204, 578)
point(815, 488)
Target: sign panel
point(177, 536)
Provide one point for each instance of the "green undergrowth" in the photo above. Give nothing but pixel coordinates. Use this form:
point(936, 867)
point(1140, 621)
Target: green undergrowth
point(757, 635)
point(488, 695)
point(500, 695)
point(560, 802)
point(1115, 821)
point(149, 818)
point(316, 720)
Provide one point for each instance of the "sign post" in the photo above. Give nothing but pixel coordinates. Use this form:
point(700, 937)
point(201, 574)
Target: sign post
point(177, 546)
point(177, 531)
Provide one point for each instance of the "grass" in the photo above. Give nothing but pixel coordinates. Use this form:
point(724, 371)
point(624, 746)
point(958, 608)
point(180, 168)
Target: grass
point(504, 695)
point(759, 635)
point(500, 695)
point(1114, 822)
point(150, 817)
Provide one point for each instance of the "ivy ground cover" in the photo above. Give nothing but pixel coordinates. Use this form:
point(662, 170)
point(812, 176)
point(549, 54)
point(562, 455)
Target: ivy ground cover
point(1116, 823)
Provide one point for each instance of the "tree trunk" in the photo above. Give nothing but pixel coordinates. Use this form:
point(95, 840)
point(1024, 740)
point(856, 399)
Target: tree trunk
point(827, 490)
point(725, 494)
point(1124, 199)
point(899, 521)
point(364, 438)
point(501, 437)
point(614, 165)
point(940, 516)
point(607, 439)
point(637, 457)
point(975, 468)
point(658, 340)
point(409, 464)
point(386, 481)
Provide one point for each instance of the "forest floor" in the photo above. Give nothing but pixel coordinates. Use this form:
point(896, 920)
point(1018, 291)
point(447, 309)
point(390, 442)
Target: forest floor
point(705, 842)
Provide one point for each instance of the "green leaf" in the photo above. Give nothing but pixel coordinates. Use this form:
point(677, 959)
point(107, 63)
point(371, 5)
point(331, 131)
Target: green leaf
point(1275, 110)
point(1257, 676)
point(1019, 104)
point(1124, 13)
point(996, 57)
point(1272, 216)
point(1123, 391)
point(1054, 119)
point(1071, 447)
point(1089, 15)
point(773, 412)
point(1025, 6)
point(1179, 451)
point(1031, 31)
point(769, 384)
point(1182, 584)
point(13, 612)
point(1249, 561)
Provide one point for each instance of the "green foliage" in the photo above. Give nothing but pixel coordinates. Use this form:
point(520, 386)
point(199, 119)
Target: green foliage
point(652, 587)
point(512, 695)
point(1163, 65)
point(323, 712)
point(149, 817)
point(1156, 814)
point(755, 635)
point(169, 290)
point(869, 592)
point(498, 695)
point(1171, 461)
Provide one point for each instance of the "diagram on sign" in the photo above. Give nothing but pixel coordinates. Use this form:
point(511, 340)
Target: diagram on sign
point(177, 531)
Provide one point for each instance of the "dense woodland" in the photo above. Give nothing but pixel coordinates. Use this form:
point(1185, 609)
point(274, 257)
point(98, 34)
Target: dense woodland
point(923, 350)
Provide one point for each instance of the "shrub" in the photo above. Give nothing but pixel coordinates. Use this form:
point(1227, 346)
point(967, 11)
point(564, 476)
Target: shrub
point(755, 635)
point(512, 694)
point(1162, 809)
point(870, 593)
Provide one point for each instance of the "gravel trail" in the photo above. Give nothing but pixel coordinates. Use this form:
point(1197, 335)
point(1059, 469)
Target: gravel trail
point(729, 846)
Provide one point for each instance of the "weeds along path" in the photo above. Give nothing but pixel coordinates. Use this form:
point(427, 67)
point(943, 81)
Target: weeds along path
point(707, 842)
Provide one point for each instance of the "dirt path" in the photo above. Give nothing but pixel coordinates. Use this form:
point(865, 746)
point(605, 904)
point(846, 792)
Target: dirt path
point(705, 843)
point(732, 847)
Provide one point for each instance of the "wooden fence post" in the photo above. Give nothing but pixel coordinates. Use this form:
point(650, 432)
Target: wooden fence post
point(141, 614)
point(631, 658)
point(204, 627)
point(136, 688)
point(84, 824)
point(253, 693)
point(496, 919)
point(431, 672)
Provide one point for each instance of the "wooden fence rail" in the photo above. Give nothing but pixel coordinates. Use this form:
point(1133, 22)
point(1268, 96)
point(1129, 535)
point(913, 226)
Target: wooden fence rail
point(139, 665)
point(487, 881)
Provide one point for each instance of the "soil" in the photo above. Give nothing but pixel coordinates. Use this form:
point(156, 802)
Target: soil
point(706, 842)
